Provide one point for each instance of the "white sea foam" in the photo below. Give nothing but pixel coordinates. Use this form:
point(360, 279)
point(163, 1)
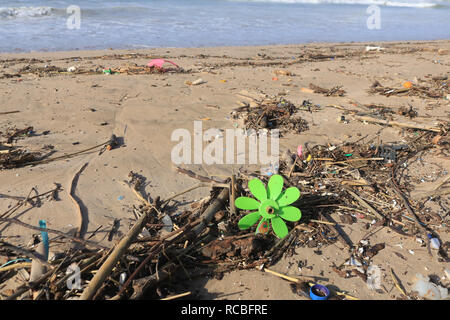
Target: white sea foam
point(407, 4)
point(17, 12)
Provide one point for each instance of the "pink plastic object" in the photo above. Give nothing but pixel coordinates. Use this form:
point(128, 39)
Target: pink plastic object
point(158, 63)
point(300, 151)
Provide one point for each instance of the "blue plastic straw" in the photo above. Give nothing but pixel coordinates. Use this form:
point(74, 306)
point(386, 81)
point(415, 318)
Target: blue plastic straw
point(15, 260)
point(43, 225)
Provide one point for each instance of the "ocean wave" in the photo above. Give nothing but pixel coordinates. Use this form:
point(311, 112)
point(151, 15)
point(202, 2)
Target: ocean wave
point(354, 2)
point(20, 12)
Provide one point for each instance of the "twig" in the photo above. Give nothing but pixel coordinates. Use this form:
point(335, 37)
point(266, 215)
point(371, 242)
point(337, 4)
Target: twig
point(324, 222)
point(66, 156)
point(196, 176)
point(233, 195)
point(177, 296)
point(15, 266)
point(199, 185)
point(65, 235)
point(396, 282)
point(364, 203)
point(293, 166)
point(9, 112)
point(282, 275)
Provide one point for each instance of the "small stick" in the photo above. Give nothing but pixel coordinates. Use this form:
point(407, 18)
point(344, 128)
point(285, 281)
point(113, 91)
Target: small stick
point(15, 266)
point(196, 176)
point(177, 296)
point(324, 222)
point(65, 235)
point(233, 195)
point(293, 166)
point(9, 112)
point(364, 203)
point(396, 282)
point(199, 185)
point(282, 276)
point(346, 295)
point(68, 155)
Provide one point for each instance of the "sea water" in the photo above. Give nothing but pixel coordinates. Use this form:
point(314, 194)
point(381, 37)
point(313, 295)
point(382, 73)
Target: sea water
point(30, 25)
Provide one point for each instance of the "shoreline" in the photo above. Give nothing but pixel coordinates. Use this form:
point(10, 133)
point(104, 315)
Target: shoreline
point(50, 54)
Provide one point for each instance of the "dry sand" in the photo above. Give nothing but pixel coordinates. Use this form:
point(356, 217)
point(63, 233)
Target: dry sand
point(145, 109)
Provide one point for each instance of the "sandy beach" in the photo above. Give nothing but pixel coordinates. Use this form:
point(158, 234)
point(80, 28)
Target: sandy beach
point(72, 104)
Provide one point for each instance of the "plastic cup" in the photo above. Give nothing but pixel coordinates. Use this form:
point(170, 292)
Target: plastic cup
point(319, 292)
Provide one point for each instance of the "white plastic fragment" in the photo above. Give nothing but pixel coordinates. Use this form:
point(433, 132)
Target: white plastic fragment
point(371, 48)
point(429, 290)
point(373, 277)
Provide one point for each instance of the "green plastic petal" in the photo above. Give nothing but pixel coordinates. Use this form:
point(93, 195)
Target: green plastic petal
point(275, 186)
point(289, 196)
point(246, 203)
point(249, 220)
point(290, 213)
point(279, 227)
point(258, 189)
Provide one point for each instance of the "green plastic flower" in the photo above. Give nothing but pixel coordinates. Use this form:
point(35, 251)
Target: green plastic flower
point(273, 206)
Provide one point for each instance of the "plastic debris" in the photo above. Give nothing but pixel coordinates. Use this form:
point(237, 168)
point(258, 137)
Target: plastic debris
point(307, 90)
point(300, 151)
point(407, 84)
point(196, 82)
point(158, 63)
point(389, 152)
point(373, 277)
point(434, 242)
point(372, 48)
point(37, 267)
point(319, 292)
point(429, 290)
point(122, 278)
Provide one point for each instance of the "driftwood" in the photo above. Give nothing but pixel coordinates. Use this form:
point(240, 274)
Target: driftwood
point(141, 285)
point(114, 257)
point(208, 214)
